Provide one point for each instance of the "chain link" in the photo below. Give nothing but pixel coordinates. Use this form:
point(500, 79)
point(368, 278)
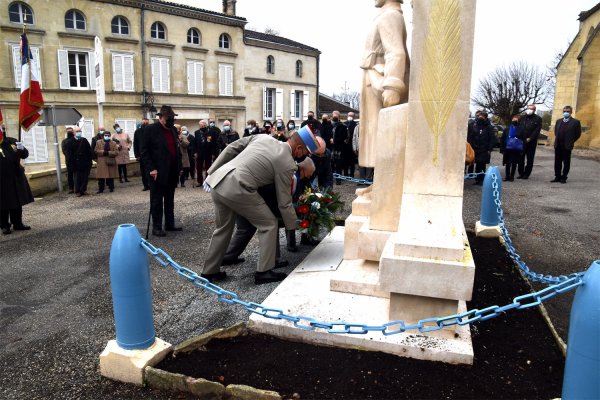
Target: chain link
point(389, 328)
point(350, 179)
point(473, 175)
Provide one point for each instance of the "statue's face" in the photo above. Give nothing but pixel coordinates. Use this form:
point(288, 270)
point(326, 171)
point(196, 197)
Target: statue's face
point(379, 3)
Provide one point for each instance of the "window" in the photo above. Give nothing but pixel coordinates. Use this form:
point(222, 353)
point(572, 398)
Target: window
point(268, 103)
point(298, 98)
point(20, 13)
point(195, 77)
point(75, 69)
point(128, 126)
point(35, 64)
point(161, 74)
point(299, 68)
point(122, 72)
point(157, 31)
point(225, 80)
point(298, 104)
point(193, 36)
point(36, 144)
point(224, 41)
point(119, 26)
point(270, 65)
point(74, 20)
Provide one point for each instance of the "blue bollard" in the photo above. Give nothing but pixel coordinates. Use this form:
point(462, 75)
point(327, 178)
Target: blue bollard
point(131, 293)
point(489, 214)
point(582, 368)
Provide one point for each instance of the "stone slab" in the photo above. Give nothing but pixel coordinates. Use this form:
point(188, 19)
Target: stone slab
point(358, 277)
point(410, 309)
point(487, 231)
point(371, 242)
point(327, 255)
point(353, 224)
point(128, 365)
point(361, 206)
point(308, 294)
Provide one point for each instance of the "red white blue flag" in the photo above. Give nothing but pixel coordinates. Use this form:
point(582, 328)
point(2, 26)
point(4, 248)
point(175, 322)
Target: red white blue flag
point(30, 109)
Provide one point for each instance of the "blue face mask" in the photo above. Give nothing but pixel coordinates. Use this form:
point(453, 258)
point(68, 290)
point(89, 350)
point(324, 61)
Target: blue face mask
point(78, 134)
point(118, 130)
point(106, 138)
point(567, 114)
point(226, 128)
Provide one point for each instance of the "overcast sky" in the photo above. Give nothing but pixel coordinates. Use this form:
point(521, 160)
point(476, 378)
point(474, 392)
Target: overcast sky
point(506, 31)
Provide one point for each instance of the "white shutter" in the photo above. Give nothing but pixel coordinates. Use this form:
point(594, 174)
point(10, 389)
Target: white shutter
point(305, 106)
point(36, 64)
point(35, 142)
point(128, 74)
point(225, 80)
point(16, 55)
point(91, 70)
point(165, 75)
point(195, 74)
point(292, 104)
point(63, 69)
point(117, 71)
point(199, 71)
point(28, 141)
point(221, 79)
point(128, 126)
point(87, 129)
point(191, 77)
point(265, 111)
point(155, 66)
point(279, 103)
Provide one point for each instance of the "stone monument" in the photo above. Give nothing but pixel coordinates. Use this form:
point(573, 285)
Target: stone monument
point(405, 252)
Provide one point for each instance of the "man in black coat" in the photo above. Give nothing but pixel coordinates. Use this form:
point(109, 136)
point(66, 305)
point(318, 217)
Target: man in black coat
point(14, 188)
point(162, 160)
point(314, 124)
point(482, 138)
point(348, 153)
point(531, 124)
point(64, 145)
point(137, 151)
point(340, 138)
point(206, 149)
point(80, 155)
point(567, 131)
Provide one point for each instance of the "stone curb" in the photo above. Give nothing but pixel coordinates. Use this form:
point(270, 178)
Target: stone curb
point(195, 343)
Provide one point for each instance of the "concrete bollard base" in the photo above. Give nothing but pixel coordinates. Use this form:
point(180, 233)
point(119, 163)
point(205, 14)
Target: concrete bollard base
point(128, 365)
point(487, 231)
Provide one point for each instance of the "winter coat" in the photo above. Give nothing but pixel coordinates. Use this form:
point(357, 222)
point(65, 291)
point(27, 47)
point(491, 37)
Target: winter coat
point(207, 144)
point(14, 188)
point(231, 137)
point(80, 154)
point(103, 170)
point(510, 156)
point(156, 156)
point(184, 144)
point(572, 133)
point(125, 145)
point(482, 138)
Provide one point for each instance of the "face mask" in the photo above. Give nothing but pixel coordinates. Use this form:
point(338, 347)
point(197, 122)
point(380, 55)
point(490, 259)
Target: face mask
point(291, 126)
point(280, 125)
point(335, 119)
point(211, 125)
point(170, 122)
point(350, 118)
point(185, 133)
point(249, 127)
point(102, 132)
point(481, 119)
point(226, 128)
point(106, 138)
point(529, 112)
point(268, 127)
point(118, 130)
point(310, 117)
point(78, 135)
point(324, 120)
point(515, 122)
point(567, 114)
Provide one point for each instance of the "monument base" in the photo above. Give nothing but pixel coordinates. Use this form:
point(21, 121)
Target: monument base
point(309, 294)
point(128, 365)
point(487, 231)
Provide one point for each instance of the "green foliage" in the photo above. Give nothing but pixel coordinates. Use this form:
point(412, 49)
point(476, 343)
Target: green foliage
point(316, 209)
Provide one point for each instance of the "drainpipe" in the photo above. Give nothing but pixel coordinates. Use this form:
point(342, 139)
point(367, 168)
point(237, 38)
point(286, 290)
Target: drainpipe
point(317, 103)
point(143, 41)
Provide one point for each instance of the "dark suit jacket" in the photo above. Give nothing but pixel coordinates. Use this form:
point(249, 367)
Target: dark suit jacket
point(572, 133)
point(155, 154)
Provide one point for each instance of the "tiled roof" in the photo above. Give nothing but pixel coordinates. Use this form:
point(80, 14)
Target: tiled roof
point(329, 104)
point(190, 8)
point(585, 14)
point(265, 37)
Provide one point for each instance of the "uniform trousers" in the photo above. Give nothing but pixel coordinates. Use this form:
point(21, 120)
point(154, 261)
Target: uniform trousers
point(244, 231)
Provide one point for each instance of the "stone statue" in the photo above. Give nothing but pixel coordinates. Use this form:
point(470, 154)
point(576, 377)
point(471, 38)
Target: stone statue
point(386, 68)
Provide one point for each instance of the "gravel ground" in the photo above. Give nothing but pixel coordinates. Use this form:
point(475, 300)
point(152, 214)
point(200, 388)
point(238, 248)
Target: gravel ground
point(55, 301)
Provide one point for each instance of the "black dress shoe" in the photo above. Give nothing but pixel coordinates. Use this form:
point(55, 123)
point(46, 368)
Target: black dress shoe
point(308, 241)
point(217, 276)
point(268, 277)
point(21, 227)
point(111, 190)
point(555, 180)
point(144, 189)
point(292, 249)
point(234, 261)
point(174, 228)
point(100, 191)
point(6, 231)
point(158, 232)
point(282, 264)
point(520, 177)
point(563, 180)
point(71, 191)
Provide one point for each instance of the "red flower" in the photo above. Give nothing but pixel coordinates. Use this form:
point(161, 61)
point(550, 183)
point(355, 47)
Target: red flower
point(303, 209)
point(304, 224)
point(327, 200)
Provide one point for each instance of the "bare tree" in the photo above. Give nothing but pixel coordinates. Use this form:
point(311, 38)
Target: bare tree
point(350, 97)
point(552, 72)
point(271, 31)
point(508, 90)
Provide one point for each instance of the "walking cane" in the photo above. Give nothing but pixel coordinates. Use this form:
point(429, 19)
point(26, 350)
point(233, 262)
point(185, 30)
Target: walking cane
point(149, 214)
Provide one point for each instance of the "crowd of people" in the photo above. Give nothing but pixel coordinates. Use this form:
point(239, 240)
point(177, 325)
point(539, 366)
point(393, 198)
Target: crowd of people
point(519, 142)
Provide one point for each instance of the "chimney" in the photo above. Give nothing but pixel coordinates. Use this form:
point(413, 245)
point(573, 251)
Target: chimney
point(229, 7)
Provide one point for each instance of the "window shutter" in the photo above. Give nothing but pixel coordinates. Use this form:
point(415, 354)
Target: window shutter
point(221, 79)
point(128, 75)
point(155, 66)
point(117, 61)
point(16, 53)
point(195, 73)
point(91, 70)
point(279, 103)
point(36, 63)
point(40, 144)
point(229, 88)
point(87, 129)
point(165, 76)
point(292, 104)
point(199, 78)
point(63, 69)
point(305, 106)
point(191, 77)
point(28, 141)
point(128, 126)
point(264, 103)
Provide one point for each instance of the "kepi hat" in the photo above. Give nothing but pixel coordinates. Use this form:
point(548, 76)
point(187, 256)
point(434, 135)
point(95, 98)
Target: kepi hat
point(166, 110)
point(308, 138)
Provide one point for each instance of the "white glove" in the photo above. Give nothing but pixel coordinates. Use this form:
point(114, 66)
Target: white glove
point(20, 146)
point(206, 187)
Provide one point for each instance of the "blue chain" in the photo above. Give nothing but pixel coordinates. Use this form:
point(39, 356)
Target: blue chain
point(474, 175)
point(390, 328)
point(510, 248)
point(350, 179)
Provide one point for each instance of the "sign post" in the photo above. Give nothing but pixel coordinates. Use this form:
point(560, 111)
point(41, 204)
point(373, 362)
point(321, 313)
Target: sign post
point(99, 68)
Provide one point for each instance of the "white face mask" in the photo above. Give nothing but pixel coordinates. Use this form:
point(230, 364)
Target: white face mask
point(350, 119)
point(529, 112)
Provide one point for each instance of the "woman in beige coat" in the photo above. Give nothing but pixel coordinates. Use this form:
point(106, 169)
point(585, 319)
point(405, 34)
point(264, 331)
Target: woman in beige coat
point(123, 146)
point(184, 144)
point(106, 167)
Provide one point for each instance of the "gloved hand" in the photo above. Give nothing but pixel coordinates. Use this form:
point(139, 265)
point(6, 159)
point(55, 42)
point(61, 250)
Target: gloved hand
point(105, 153)
point(20, 146)
point(205, 186)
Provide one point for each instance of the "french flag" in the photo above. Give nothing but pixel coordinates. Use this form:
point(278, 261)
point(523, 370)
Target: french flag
point(30, 109)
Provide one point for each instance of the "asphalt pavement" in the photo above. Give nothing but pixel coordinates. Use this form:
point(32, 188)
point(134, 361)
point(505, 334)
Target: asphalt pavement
point(55, 300)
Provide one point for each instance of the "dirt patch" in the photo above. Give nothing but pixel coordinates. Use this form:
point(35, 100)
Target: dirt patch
point(515, 355)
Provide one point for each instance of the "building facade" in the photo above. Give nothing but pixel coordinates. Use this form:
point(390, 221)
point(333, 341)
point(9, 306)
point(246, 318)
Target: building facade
point(578, 79)
point(203, 63)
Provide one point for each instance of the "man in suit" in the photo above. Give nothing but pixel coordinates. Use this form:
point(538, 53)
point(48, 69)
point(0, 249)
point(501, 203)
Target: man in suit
point(243, 167)
point(161, 156)
point(137, 139)
point(531, 124)
point(567, 131)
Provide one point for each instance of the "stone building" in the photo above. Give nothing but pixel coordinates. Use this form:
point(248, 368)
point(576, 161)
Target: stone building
point(578, 79)
point(203, 63)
